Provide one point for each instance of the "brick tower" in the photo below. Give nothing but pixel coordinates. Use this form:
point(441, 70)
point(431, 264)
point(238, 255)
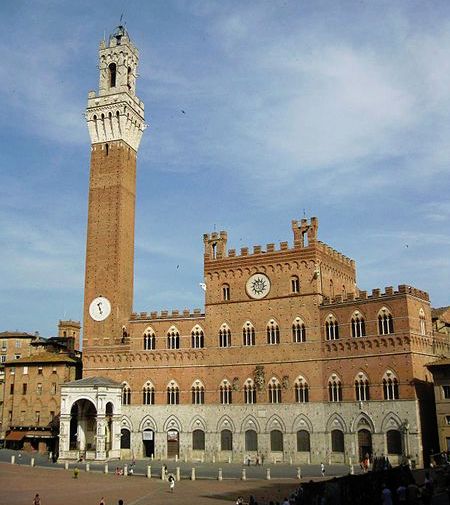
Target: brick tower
point(115, 118)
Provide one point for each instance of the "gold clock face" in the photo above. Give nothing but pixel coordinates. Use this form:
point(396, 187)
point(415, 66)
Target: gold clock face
point(258, 286)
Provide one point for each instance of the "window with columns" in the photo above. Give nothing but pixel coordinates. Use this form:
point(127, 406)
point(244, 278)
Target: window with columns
point(248, 334)
point(301, 390)
point(224, 336)
point(225, 292)
point(390, 386)
point(274, 391)
point(362, 387)
point(149, 340)
point(331, 328)
point(126, 394)
point(148, 394)
point(273, 332)
point(334, 389)
point(249, 390)
point(295, 284)
point(173, 338)
point(358, 325)
point(385, 322)
point(197, 338)
point(298, 330)
point(173, 393)
point(225, 393)
point(198, 393)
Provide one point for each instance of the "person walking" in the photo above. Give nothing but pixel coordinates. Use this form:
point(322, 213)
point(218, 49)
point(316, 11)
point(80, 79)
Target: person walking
point(171, 480)
point(37, 500)
point(322, 469)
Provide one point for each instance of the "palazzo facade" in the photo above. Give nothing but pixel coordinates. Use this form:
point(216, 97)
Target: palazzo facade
point(289, 360)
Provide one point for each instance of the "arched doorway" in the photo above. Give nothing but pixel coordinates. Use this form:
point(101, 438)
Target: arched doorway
point(364, 444)
point(148, 440)
point(173, 443)
point(83, 426)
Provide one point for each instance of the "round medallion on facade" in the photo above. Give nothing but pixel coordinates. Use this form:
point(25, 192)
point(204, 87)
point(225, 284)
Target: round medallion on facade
point(258, 286)
point(100, 308)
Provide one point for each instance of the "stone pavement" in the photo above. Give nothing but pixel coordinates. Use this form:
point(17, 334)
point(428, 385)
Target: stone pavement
point(56, 486)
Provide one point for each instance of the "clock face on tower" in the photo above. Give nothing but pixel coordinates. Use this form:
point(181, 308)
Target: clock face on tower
point(100, 308)
point(258, 286)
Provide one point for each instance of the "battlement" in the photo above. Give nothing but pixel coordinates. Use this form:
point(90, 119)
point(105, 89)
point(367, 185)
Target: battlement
point(165, 314)
point(335, 254)
point(362, 296)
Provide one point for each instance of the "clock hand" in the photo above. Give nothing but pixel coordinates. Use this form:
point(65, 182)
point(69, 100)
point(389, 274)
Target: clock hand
point(99, 305)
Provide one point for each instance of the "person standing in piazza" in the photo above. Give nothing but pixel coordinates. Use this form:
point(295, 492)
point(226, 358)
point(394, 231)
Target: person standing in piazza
point(37, 500)
point(171, 480)
point(322, 469)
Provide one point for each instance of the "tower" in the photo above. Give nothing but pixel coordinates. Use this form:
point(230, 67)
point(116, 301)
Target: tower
point(115, 118)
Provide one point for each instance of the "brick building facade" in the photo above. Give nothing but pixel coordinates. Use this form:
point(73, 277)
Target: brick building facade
point(289, 360)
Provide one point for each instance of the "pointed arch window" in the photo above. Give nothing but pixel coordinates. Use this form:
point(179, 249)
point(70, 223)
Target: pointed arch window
point(112, 75)
point(422, 323)
point(334, 389)
point(249, 392)
point(248, 334)
point(126, 394)
point(273, 332)
point(225, 292)
point(274, 390)
point(303, 441)
point(295, 284)
point(226, 440)
point(390, 386)
point(173, 393)
point(358, 325)
point(148, 394)
point(301, 390)
point(337, 441)
point(198, 440)
point(298, 331)
point(224, 336)
point(173, 338)
point(197, 338)
point(198, 393)
point(385, 322)
point(362, 388)
point(394, 442)
point(225, 393)
point(149, 340)
point(331, 328)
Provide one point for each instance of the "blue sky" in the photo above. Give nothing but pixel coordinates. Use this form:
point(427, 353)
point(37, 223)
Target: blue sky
point(335, 109)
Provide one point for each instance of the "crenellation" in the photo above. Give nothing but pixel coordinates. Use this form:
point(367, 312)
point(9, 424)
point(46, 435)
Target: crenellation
point(257, 249)
point(244, 251)
point(376, 292)
point(186, 312)
point(231, 253)
point(389, 291)
point(175, 313)
point(284, 246)
point(164, 314)
point(270, 247)
point(154, 314)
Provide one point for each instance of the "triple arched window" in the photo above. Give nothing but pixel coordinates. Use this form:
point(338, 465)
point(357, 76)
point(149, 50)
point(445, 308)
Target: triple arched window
point(331, 328)
point(298, 330)
point(334, 389)
point(225, 393)
point(173, 393)
point(248, 334)
point(249, 391)
point(385, 322)
point(362, 387)
point(148, 394)
point(358, 325)
point(390, 386)
point(273, 332)
point(197, 338)
point(149, 340)
point(198, 393)
point(173, 338)
point(126, 394)
point(224, 336)
point(301, 390)
point(274, 390)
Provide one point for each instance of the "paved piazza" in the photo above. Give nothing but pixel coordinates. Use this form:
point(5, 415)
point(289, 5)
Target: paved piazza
point(58, 487)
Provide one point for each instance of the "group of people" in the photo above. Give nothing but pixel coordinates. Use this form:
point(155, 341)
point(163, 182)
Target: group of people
point(410, 494)
point(259, 460)
point(295, 498)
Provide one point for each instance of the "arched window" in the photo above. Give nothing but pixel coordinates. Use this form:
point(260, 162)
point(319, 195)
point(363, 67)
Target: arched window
point(149, 340)
point(148, 394)
point(197, 338)
point(173, 338)
point(125, 438)
point(358, 325)
point(422, 323)
point(273, 332)
point(198, 440)
point(173, 393)
point(385, 322)
point(334, 389)
point(249, 391)
point(198, 393)
point(225, 393)
point(126, 394)
point(224, 336)
point(331, 328)
point(274, 390)
point(226, 440)
point(295, 284)
point(303, 441)
point(394, 442)
point(298, 330)
point(276, 441)
point(301, 390)
point(362, 388)
point(112, 75)
point(390, 386)
point(225, 292)
point(251, 440)
point(248, 334)
point(337, 441)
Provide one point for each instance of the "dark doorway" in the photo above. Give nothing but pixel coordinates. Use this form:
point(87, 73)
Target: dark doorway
point(148, 438)
point(173, 443)
point(364, 444)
